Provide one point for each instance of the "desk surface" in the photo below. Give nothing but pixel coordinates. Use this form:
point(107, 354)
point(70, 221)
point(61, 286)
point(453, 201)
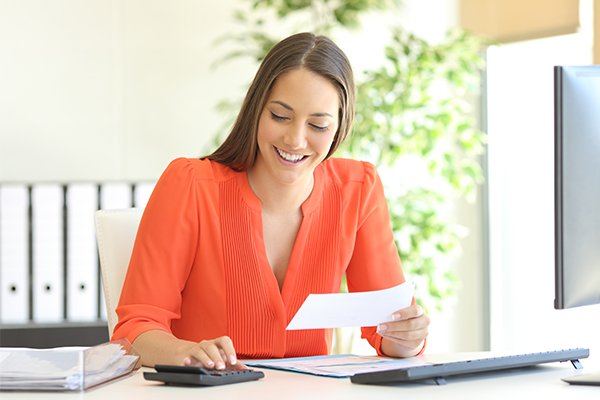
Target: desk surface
point(538, 382)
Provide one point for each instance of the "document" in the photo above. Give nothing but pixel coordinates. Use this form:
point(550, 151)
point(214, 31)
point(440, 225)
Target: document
point(338, 366)
point(64, 368)
point(339, 310)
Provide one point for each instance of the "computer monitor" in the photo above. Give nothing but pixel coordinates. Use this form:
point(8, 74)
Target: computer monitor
point(577, 185)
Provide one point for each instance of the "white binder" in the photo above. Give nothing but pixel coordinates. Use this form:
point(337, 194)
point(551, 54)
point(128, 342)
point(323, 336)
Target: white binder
point(114, 196)
point(47, 201)
point(14, 247)
point(82, 259)
point(142, 194)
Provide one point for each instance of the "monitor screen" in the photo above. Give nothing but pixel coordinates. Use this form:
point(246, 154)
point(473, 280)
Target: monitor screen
point(577, 185)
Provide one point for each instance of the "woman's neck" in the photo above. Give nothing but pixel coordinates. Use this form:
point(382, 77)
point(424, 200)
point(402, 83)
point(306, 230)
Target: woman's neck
point(277, 197)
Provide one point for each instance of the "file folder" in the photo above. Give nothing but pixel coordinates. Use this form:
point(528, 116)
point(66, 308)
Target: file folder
point(82, 261)
point(115, 195)
point(14, 248)
point(47, 246)
point(142, 194)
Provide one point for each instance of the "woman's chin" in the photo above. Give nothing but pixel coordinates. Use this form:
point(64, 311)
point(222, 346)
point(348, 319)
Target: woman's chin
point(290, 178)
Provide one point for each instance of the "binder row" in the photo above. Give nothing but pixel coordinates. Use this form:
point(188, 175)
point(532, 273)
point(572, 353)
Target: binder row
point(49, 263)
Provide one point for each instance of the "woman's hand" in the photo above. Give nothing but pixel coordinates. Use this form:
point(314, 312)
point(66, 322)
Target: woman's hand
point(217, 353)
point(405, 335)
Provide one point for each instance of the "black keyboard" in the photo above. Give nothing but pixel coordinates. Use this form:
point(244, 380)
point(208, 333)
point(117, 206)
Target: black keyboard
point(439, 371)
point(198, 376)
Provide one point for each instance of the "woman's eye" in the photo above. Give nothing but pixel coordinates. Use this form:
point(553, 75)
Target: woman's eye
point(277, 117)
point(319, 128)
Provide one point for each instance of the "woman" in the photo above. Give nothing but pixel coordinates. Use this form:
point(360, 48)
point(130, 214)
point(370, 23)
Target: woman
point(229, 246)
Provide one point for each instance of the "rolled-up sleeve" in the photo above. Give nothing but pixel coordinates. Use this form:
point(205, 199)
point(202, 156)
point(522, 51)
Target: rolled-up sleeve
point(163, 254)
point(375, 263)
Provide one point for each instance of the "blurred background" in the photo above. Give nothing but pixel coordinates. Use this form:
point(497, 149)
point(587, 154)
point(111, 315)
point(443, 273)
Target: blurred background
point(455, 106)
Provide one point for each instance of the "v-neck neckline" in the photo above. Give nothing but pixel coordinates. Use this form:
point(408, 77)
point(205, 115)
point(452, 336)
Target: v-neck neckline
point(255, 205)
point(252, 200)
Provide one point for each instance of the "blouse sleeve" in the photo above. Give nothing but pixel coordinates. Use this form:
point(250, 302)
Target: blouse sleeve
point(375, 263)
point(162, 256)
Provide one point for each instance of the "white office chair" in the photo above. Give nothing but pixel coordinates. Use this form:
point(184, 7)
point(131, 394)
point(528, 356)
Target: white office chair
point(115, 232)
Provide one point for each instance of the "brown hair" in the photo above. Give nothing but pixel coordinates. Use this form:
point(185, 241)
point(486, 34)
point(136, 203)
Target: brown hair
point(317, 54)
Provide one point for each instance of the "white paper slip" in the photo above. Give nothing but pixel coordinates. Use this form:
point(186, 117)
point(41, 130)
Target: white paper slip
point(337, 310)
point(337, 366)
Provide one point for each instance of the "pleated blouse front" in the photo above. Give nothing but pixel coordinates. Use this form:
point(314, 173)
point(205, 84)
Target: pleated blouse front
point(199, 267)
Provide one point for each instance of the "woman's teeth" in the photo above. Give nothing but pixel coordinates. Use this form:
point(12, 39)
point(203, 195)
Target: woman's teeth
point(288, 156)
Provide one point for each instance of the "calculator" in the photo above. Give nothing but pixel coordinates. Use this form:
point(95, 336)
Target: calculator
point(198, 376)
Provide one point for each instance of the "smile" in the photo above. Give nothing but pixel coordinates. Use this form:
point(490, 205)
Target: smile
point(289, 158)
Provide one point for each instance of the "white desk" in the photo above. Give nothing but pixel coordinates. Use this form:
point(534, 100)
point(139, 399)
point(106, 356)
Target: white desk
point(542, 382)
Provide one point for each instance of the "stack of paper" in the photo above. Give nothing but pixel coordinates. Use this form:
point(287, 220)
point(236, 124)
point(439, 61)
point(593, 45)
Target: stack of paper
point(63, 368)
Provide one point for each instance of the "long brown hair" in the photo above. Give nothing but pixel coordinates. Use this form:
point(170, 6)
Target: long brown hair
point(317, 54)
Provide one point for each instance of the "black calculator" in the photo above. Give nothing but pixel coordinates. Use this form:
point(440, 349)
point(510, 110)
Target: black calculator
point(198, 376)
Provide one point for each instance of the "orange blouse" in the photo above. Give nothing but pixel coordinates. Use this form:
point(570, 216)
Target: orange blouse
point(199, 268)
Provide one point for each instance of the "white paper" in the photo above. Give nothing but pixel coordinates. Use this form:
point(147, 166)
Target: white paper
point(62, 368)
point(339, 366)
point(338, 310)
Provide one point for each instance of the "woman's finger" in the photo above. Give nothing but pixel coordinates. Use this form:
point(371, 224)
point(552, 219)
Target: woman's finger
point(408, 344)
point(405, 325)
point(211, 349)
point(409, 312)
point(416, 335)
point(200, 355)
point(239, 366)
point(227, 345)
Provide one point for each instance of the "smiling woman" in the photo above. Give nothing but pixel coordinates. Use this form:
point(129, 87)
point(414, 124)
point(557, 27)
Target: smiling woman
point(230, 245)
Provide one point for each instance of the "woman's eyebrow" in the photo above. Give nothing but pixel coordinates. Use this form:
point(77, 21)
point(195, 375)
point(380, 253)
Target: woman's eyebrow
point(288, 107)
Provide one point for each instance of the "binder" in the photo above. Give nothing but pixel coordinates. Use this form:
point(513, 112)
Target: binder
point(82, 261)
point(142, 194)
point(47, 202)
point(14, 248)
point(114, 195)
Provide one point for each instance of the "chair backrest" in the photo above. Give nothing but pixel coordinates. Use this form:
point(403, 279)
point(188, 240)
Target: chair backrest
point(115, 232)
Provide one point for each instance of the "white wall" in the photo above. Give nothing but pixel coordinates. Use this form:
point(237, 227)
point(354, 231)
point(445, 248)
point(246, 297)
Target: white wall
point(97, 90)
point(109, 89)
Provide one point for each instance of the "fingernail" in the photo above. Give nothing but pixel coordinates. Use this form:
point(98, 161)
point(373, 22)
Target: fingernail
point(220, 365)
point(186, 361)
point(211, 364)
point(381, 328)
point(232, 360)
point(396, 316)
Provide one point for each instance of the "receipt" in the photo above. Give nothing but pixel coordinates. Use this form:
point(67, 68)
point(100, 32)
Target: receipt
point(337, 310)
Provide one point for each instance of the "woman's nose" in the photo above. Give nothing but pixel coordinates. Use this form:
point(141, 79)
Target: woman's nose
point(295, 137)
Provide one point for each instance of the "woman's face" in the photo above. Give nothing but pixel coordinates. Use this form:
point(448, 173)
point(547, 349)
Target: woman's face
point(297, 126)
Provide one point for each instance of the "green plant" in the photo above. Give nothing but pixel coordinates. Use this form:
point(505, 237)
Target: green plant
point(411, 111)
point(414, 107)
